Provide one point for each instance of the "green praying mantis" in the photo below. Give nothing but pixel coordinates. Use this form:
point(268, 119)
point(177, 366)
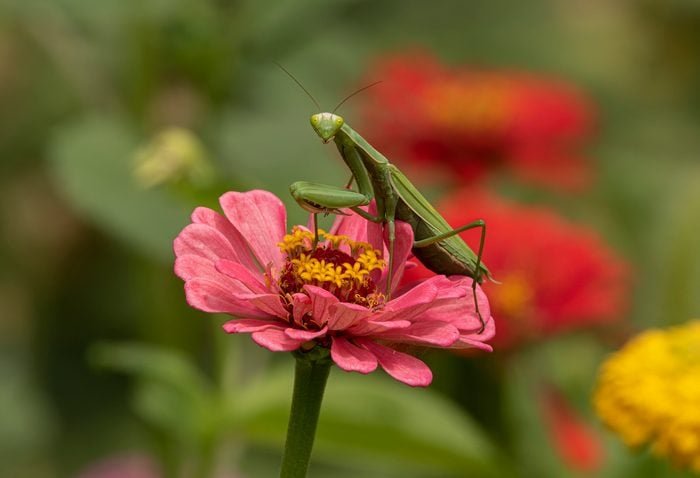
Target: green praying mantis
point(437, 245)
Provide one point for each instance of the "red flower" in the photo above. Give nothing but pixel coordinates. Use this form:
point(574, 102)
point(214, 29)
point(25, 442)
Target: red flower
point(475, 121)
point(575, 440)
point(555, 276)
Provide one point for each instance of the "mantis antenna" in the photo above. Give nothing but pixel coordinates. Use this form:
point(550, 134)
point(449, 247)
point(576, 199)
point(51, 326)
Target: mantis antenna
point(353, 94)
point(298, 83)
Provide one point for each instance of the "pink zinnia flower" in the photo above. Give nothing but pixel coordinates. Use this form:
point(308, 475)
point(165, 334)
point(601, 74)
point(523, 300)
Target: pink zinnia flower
point(291, 295)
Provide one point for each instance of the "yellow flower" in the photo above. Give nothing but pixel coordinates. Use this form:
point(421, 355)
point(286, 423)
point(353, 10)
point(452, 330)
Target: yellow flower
point(649, 393)
point(173, 155)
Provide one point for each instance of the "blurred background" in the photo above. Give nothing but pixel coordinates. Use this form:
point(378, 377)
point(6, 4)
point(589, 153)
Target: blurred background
point(570, 126)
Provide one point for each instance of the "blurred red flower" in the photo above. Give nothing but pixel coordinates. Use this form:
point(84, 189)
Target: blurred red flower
point(555, 276)
point(476, 121)
point(575, 440)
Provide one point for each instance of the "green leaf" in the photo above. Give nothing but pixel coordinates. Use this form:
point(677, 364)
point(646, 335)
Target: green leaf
point(151, 363)
point(27, 424)
point(677, 242)
point(171, 394)
point(533, 448)
point(373, 420)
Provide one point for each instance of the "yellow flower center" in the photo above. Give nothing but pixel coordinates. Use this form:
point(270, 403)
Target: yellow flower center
point(649, 393)
point(338, 264)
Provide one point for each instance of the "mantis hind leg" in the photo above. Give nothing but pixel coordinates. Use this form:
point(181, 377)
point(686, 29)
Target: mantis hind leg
point(478, 277)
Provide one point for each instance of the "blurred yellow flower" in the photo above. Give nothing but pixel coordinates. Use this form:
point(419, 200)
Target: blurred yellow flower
point(649, 393)
point(174, 154)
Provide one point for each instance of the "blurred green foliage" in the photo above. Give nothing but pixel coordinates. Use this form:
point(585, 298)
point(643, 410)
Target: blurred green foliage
point(85, 251)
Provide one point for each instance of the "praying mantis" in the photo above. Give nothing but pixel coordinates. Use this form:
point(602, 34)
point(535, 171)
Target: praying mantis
point(437, 245)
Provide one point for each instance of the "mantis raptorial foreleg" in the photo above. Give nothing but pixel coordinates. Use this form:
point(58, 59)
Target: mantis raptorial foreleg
point(316, 197)
point(439, 237)
point(325, 198)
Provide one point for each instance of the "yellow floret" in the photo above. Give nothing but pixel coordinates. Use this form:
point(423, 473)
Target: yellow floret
point(298, 247)
point(649, 393)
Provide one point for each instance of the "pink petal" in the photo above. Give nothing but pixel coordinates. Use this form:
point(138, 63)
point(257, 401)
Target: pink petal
point(270, 303)
point(371, 327)
point(190, 267)
point(198, 269)
point(239, 326)
point(489, 330)
point(234, 270)
point(352, 358)
point(210, 296)
point(244, 254)
point(375, 231)
point(468, 343)
point(204, 241)
point(321, 300)
point(402, 249)
point(437, 334)
point(453, 286)
point(343, 315)
point(413, 303)
point(404, 368)
point(455, 304)
point(305, 335)
point(261, 219)
point(301, 305)
point(473, 340)
point(276, 340)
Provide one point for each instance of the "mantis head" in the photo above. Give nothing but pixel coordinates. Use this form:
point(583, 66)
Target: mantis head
point(326, 125)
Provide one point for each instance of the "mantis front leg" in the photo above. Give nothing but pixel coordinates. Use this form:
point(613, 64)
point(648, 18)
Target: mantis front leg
point(318, 198)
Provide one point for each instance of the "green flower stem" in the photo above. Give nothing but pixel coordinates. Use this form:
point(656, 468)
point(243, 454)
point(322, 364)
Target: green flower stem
point(310, 377)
